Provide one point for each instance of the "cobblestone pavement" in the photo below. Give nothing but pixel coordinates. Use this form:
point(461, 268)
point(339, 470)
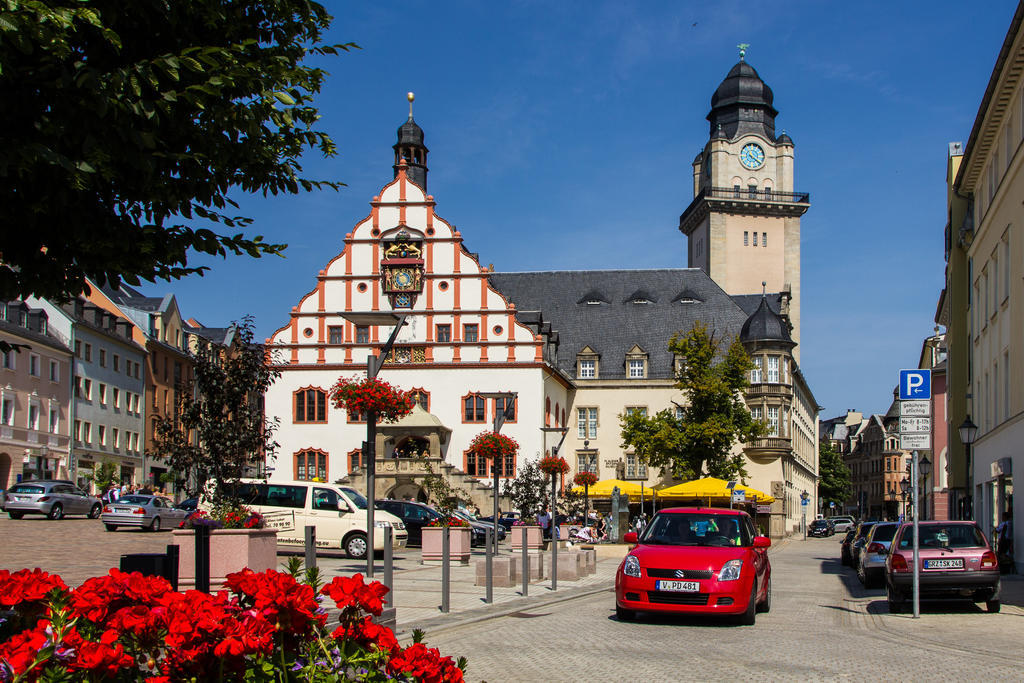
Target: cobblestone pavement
point(823, 626)
point(75, 547)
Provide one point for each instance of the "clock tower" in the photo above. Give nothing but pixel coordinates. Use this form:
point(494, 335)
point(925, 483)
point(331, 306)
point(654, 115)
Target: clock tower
point(743, 225)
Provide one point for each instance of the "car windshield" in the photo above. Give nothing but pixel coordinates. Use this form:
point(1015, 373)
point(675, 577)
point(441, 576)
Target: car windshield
point(356, 497)
point(695, 528)
point(819, 522)
point(23, 488)
point(884, 532)
point(864, 529)
point(463, 515)
point(137, 500)
point(945, 536)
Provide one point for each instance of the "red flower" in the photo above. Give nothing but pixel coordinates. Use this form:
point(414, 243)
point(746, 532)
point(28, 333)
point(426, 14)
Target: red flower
point(27, 586)
point(352, 591)
point(103, 658)
point(551, 464)
point(20, 651)
point(424, 664)
point(493, 445)
point(365, 632)
point(585, 479)
point(362, 395)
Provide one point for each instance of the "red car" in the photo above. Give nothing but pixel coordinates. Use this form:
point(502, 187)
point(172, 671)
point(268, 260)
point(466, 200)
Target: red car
point(696, 561)
point(956, 564)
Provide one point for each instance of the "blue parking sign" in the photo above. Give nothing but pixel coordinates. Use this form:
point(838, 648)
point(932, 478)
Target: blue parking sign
point(915, 385)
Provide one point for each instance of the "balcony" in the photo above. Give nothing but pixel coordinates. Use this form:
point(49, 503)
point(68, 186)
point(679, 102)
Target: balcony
point(756, 202)
point(773, 389)
point(768, 447)
point(748, 194)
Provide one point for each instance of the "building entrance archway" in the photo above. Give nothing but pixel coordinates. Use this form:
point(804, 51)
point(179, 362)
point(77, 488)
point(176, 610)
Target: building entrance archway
point(408, 491)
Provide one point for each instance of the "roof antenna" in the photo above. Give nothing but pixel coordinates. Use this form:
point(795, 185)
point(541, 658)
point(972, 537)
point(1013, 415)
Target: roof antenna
point(410, 96)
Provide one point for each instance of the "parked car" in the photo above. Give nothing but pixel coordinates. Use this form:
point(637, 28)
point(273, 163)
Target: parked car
point(845, 548)
point(189, 505)
point(957, 563)
point(414, 515)
point(695, 560)
point(842, 523)
point(481, 525)
point(819, 528)
point(55, 499)
point(871, 567)
point(505, 519)
point(151, 513)
point(858, 541)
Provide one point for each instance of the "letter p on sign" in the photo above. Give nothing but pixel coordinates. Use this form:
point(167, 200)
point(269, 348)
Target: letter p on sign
point(915, 385)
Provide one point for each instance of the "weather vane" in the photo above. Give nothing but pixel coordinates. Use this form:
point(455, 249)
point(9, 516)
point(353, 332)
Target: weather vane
point(743, 49)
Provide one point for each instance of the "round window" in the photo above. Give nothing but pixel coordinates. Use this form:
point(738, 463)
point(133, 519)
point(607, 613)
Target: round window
point(361, 286)
point(498, 329)
point(442, 285)
point(308, 332)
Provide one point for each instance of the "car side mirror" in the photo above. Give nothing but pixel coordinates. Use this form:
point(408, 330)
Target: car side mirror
point(343, 509)
point(629, 537)
point(762, 542)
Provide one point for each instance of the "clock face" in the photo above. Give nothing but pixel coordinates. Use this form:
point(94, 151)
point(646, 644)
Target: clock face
point(752, 156)
point(403, 279)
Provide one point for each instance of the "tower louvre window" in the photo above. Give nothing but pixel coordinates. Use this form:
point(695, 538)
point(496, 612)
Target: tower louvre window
point(746, 238)
point(764, 239)
point(755, 238)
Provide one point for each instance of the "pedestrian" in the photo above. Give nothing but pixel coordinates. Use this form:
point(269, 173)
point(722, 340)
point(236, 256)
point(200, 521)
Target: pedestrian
point(544, 520)
point(115, 493)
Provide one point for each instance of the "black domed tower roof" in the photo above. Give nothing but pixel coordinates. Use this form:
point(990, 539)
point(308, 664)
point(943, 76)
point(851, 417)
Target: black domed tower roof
point(411, 148)
point(764, 324)
point(743, 104)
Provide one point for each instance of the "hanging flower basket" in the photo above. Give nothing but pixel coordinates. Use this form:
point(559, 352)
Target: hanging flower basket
point(493, 445)
point(585, 479)
point(362, 395)
point(551, 464)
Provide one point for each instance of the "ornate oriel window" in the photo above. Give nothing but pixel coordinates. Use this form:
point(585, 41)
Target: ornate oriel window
point(310, 405)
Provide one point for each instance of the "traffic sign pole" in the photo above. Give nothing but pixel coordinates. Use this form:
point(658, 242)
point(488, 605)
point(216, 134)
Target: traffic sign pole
point(917, 554)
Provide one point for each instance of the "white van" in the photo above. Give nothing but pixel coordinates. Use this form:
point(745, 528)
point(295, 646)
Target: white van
point(337, 512)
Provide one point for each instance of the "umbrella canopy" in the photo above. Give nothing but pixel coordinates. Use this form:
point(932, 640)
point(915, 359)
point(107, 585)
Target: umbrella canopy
point(603, 488)
point(711, 487)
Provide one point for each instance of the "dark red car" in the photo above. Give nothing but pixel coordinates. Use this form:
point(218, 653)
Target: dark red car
point(696, 561)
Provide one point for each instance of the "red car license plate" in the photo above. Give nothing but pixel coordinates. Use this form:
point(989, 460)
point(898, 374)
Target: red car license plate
point(953, 563)
point(678, 586)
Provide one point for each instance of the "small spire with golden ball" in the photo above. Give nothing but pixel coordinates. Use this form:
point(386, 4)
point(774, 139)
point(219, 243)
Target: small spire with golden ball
point(411, 97)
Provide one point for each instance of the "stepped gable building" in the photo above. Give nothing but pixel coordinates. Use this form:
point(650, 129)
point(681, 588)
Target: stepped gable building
point(578, 348)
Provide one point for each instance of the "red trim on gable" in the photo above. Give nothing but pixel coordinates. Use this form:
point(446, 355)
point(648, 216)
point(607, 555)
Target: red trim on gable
point(321, 349)
point(295, 336)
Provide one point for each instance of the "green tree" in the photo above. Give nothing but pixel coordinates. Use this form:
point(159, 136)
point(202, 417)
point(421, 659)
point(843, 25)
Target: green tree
point(714, 418)
point(529, 492)
point(834, 483)
point(102, 475)
point(127, 124)
point(220, 431)
point(445, 497)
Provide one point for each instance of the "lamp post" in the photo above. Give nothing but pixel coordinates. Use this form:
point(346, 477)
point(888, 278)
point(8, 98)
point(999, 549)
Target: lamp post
point(924, 468)
point(587, 451)
point(905, 492)
point(803, 507)
point(968, 432)
point(499, 419)
point(373, 365)
point(554, 507)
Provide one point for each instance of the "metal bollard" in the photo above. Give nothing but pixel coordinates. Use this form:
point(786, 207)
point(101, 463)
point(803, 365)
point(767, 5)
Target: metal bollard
point(203, 558)
point(389, 566)
point(489, 562)
point(172, 565)
point(554, 557)
point(526, 563)
point(310, 547)
point(445, 569)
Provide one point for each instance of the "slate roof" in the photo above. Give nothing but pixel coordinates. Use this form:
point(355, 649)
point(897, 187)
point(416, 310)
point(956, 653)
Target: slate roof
point(558, 300)
point(750, 302)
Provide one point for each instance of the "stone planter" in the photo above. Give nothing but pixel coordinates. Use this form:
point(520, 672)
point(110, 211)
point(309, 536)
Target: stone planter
point(459, 542)
point(231, 550)
point(534, 538)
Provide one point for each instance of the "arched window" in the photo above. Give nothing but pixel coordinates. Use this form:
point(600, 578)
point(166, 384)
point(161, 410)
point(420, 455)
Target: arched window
point(482, 467)
point(420, 397)
point(557, 423)
point(547, 412)
point(310, 464)
point(310, 405)
point(474, 408)
point(355, 459)
point(509, 407)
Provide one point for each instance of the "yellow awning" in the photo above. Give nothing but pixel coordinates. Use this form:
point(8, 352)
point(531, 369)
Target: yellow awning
point(603, 488)
point(713, 488)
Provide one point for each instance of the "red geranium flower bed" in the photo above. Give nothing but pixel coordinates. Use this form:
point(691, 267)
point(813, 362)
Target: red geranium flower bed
point(265, 626)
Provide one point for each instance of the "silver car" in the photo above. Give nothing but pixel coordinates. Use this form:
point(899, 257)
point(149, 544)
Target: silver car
point(55, 499)
point(842, 524)
point(871, 562)
point(149, 512)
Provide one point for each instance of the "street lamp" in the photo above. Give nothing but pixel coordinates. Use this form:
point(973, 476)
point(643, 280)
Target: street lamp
point(509, 398)
point(924, 468)
point(587, 451)
point(968, 432)
point(373, 365)
point(905, 491)
point(803, 506)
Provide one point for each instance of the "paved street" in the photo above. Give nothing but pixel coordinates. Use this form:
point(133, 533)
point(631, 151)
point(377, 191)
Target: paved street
point(823, 625)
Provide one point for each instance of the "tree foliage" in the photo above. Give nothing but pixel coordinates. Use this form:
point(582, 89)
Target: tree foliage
point(834, 483)
point(713, 418)
point(220, 431)
point(102, 476)
point(529, 491)
point(126, 124)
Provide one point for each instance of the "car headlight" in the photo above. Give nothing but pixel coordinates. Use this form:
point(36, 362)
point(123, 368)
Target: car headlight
point(400, 526)
point(730, 570)
point(381, 523)
point(631, 567)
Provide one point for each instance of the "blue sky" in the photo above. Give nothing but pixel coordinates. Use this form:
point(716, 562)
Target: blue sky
point(561, 136)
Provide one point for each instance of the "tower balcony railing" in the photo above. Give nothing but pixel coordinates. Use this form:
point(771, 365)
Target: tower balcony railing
point(769, 389)
point(772, 443)
point(753, 193)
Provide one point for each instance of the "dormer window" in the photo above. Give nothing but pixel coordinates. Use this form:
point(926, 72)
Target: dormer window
point(636, 363)
point(587, 364)
point(641, 301)
point(594, 302)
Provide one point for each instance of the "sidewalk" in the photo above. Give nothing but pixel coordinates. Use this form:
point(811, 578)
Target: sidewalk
point(417, 588)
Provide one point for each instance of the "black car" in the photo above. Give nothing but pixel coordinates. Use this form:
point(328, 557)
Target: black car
point(845, 554)
point(820, 528)
point(418, 515)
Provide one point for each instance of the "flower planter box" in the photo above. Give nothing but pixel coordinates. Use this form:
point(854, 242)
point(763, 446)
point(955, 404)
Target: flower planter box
point(459, 542)
point(534, 538)
point(230, 551)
